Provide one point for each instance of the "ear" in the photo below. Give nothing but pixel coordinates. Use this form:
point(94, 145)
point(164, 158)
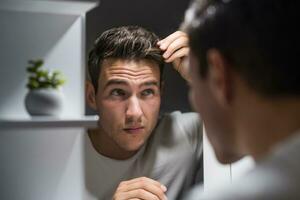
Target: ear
point(90, 95)
point(220, 79)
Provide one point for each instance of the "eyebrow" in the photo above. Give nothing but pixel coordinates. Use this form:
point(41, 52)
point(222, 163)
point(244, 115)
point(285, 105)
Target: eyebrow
point(122, 82)
point(150, 83)
point(115, 82)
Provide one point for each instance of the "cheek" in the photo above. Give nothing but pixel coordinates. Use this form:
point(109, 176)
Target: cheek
point(195, 100)
point(110, 114)
point(151, 108)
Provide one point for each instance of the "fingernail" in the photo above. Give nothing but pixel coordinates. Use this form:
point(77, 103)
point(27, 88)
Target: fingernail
point(165, 197)
point(166, 55)
point(159, 42)
point(163, 46)
point(164, 188)
point(167, 61)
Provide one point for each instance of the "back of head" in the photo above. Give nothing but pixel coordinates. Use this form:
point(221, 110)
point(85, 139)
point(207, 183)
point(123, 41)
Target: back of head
point(126, 42)
point(258, 39)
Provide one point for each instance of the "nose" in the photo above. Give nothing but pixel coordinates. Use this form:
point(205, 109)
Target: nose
point(134, 111)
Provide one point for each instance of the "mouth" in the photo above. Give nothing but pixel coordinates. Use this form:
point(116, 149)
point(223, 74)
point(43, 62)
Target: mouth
point(134, 130)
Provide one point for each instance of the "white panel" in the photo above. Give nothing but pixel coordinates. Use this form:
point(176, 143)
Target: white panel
point(215, 174)
point(41, 164)
point(241, 167)
point(72, 180)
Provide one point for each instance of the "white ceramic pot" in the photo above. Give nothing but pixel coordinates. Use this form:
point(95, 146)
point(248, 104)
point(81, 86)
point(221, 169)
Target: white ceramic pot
point(44, 102)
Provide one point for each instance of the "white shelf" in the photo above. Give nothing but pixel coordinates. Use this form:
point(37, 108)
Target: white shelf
point(49, 122)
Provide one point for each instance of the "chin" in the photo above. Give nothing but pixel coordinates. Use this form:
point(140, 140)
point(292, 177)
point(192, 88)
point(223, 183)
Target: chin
point(227, 157)
point(133, 146)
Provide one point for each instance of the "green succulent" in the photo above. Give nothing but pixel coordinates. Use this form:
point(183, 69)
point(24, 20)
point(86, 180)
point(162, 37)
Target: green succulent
point(41, 78)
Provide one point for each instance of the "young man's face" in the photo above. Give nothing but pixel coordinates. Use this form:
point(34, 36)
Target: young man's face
point(128, 101)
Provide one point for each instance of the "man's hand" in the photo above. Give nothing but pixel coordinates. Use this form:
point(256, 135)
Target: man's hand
point(176, 50)
point(140, 188)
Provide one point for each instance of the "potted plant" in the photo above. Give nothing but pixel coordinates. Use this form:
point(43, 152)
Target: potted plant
point(44, 95)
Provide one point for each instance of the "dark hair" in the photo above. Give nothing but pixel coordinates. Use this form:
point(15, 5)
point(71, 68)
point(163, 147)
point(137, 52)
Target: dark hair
point(126, 42)
point(258, 38)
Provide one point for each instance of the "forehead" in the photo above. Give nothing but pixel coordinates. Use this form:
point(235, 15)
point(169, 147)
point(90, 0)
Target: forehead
point(129, 70)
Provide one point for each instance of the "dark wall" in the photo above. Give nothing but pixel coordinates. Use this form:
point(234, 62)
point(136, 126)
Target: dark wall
point(161, 16)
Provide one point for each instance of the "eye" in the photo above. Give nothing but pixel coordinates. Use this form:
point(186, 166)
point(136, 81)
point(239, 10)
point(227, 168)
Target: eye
point(117, 92)
point(147, 92)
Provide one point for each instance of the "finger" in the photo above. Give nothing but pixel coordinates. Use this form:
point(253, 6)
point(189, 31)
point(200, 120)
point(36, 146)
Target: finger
point(171, 37)
point(140, 194)
point(177, 44)
point(183, 52)
point(144, 179)
point(168, 41)
point(146, 185)
point(163, 44)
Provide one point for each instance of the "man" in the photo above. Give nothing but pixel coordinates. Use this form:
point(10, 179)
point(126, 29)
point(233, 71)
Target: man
point(134, 153)
point(246, 85)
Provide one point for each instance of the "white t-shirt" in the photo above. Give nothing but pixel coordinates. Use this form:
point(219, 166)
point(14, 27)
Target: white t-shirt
point(276, 177)
point(171, 156)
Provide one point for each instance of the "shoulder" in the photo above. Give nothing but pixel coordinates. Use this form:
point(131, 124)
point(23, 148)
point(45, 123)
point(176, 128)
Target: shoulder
point(186, 124)
point(189, 123)
point(186, 121)
point(267, 181)
point(180, 128)
point(180, 115)
point(277, 176)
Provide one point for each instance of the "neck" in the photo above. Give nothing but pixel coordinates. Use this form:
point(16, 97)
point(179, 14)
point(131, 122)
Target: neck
point(105, 146)
point(266, 122)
